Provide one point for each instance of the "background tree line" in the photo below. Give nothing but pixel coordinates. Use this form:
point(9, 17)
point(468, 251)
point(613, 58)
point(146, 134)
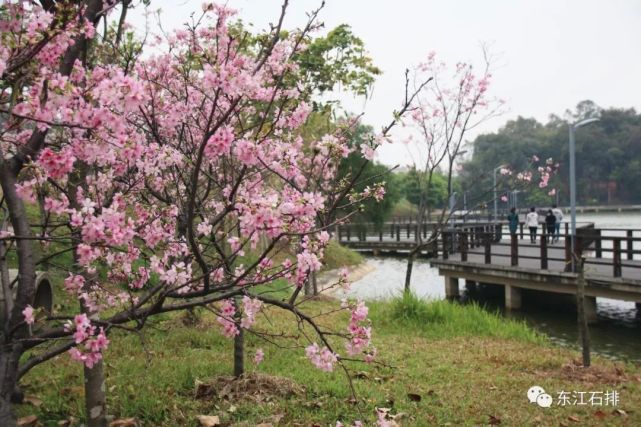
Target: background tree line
point(608, 154)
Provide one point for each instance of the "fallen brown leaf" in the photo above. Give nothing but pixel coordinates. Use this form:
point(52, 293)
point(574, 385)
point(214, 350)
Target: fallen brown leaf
point(620, 412)
point(68, 422)
point(29, 420)
point(574, 419)
point(124, 422)
point(494, 420)
point(209, 420)
point(599, 414)
point(32, 400)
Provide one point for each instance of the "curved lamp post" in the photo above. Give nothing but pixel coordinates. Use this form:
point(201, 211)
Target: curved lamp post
point(573, 128)
point(580, 288)
point(496, 203)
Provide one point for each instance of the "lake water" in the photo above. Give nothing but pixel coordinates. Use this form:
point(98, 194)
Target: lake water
point(617, 333)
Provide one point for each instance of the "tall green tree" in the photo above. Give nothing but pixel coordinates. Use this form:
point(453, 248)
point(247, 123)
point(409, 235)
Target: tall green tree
point(608, 155)
point(413, 189)
point(371, 211)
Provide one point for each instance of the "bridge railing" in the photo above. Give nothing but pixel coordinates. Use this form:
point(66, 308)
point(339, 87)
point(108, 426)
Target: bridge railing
point(471, 216)
point(611, 250)
point(616, 247)
point(364, 232)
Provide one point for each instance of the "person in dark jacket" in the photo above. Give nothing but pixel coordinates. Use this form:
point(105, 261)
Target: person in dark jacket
point(550, 223)
point(513, 220)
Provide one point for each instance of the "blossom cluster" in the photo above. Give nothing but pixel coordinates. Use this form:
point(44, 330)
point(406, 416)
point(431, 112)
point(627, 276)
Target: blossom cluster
point(94, 340)
point(360, 332)
point(323, 358)
point(167, 172)
point(249, 309)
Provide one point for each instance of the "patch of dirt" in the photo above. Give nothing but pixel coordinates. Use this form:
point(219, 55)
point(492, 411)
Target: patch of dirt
point(254, 387)
point(574, 371)
point(319, 297)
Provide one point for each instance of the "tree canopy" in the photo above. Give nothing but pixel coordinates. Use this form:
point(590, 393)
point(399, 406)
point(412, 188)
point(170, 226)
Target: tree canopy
point(608, 155)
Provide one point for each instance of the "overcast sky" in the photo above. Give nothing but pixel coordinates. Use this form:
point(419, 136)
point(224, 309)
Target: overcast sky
point(551, 53)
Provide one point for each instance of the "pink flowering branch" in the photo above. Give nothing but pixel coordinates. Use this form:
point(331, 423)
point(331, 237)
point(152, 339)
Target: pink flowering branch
point(162, 176)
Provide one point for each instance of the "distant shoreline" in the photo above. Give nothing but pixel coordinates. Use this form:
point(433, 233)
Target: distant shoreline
point(328, 278)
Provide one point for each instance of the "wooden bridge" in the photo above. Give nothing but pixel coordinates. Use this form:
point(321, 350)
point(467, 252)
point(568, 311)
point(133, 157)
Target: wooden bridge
point(400, 237)
point(485, 253)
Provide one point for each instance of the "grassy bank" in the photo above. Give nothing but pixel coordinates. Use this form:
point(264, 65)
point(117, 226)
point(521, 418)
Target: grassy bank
point(337, 256)
point(443, 364)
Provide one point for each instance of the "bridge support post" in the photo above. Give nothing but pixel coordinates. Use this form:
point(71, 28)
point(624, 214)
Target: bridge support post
point(590, 309)
point(638, 306)
point(512, 298)
point(451, 287)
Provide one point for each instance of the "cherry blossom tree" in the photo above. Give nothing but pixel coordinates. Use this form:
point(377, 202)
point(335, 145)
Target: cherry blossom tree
point(175, 181)
point(454, 103)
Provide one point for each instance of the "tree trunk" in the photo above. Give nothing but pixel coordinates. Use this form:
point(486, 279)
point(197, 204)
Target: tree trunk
point(9, 356)
point(307, 288)
point(95, 396)
point(10, 350)
point(95, 393)
point(584, 332)
point(239, 344)
point(314, 283)
point(6, 416)
point(408, 272)
point(6, 289)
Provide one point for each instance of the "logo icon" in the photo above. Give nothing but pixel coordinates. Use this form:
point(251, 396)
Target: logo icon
point(536, 394)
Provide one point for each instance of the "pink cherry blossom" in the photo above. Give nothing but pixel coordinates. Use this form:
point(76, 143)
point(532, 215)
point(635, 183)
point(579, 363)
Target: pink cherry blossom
point(259, 356)
point(225, 319)
point(322, 358)
point(28, 315)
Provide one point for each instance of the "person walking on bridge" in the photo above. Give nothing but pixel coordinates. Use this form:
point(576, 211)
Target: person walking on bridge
point(532, 222)
point(550, 223)
point(513, 221)
point(558, 213)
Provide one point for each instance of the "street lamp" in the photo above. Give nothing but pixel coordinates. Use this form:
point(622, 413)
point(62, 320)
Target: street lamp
point(515, 198)
point(452, 206)
point(580, 286)
point(573, 128)
point(452, 195)
point(496, 203)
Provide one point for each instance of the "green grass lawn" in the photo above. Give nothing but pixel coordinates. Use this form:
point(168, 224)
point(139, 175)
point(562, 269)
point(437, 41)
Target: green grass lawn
point(441, 364)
